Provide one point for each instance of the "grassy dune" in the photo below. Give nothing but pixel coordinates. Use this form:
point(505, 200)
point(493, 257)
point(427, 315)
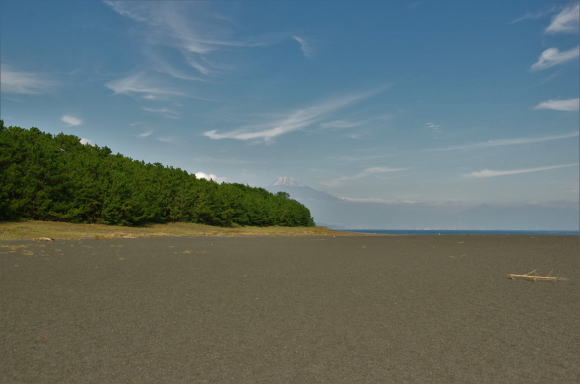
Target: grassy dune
point(29, 230)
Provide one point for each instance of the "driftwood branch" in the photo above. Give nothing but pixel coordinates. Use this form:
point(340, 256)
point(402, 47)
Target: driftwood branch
point(532, 276)
point(43, 239)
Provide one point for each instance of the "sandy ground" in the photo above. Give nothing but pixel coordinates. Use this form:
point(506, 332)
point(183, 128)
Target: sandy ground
point(398, 309)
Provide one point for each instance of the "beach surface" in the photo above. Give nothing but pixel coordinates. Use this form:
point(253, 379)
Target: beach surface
point(376, 309)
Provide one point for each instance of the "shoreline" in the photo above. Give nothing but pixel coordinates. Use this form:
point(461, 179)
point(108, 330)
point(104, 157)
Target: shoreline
point(58, 230)
point(36, 230)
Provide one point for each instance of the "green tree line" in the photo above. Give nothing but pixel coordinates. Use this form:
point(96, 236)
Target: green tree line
point(55, 177)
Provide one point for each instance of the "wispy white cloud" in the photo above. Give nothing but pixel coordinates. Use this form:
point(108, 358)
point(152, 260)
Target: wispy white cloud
point(362, 174)
point(378, 200)
point(375, 170)
point(27, 83)
point(145, 134)
point(552, 57)
point(506, 142)
point(166, 112)
point(345, 124)
point(560, 105)
point(121, 8)
point(176, 38)
point(434, 127)
point(494, 173)
point(305, 46)
point(71, 121)
point(342, 124)
point(566, 21)
point(139, 84)
point(167, 23)
point(194, 28)
point(294, 121)
point(203, 68)
point(533, 15)
point(161, 65)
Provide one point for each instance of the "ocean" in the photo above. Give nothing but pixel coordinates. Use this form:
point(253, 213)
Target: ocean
point(459, 232)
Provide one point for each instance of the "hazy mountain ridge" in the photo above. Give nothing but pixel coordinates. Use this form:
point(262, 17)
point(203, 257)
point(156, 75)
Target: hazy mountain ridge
point(335, 212)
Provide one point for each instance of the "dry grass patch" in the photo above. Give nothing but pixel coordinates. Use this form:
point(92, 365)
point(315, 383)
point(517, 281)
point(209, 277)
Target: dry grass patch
point(35, 230)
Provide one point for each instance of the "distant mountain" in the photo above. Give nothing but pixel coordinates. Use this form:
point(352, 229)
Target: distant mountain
point(300, 191)
point(341, 213)
point(285, 181)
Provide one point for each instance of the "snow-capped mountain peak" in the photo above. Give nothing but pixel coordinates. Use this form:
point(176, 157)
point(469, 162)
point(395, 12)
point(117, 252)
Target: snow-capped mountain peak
point(286, 182)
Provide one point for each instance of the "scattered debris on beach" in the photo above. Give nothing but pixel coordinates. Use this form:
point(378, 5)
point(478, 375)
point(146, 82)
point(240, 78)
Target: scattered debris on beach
point(14, 247)
point(532, 276)
point(43, 239)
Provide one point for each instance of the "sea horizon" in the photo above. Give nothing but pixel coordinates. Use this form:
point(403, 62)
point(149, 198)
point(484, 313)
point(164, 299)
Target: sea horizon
point(463, 232)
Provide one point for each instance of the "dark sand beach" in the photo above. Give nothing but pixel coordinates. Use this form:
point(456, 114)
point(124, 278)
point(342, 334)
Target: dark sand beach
point(385, 309)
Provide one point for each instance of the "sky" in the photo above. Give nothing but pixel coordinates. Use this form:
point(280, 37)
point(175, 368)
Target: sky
point(415, 101)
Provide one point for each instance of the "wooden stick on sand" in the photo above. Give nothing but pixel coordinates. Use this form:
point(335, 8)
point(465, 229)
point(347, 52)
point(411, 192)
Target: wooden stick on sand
point(534, 277)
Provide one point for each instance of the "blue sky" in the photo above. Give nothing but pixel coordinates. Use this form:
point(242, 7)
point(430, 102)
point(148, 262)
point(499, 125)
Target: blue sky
point(415, 101)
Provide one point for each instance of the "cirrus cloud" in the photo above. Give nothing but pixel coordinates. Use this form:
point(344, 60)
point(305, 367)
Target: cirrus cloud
point(566, 21)
point(506, 142)
point(71, 121)
point(139, 84)
point(494, 173)
point(166, 112)
point(195, 29)
point(26, 83)
point(568, 105)
point(362, 174)
point(305, 46)
point(553, 56)
point(145, 134)
point(294, 121)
